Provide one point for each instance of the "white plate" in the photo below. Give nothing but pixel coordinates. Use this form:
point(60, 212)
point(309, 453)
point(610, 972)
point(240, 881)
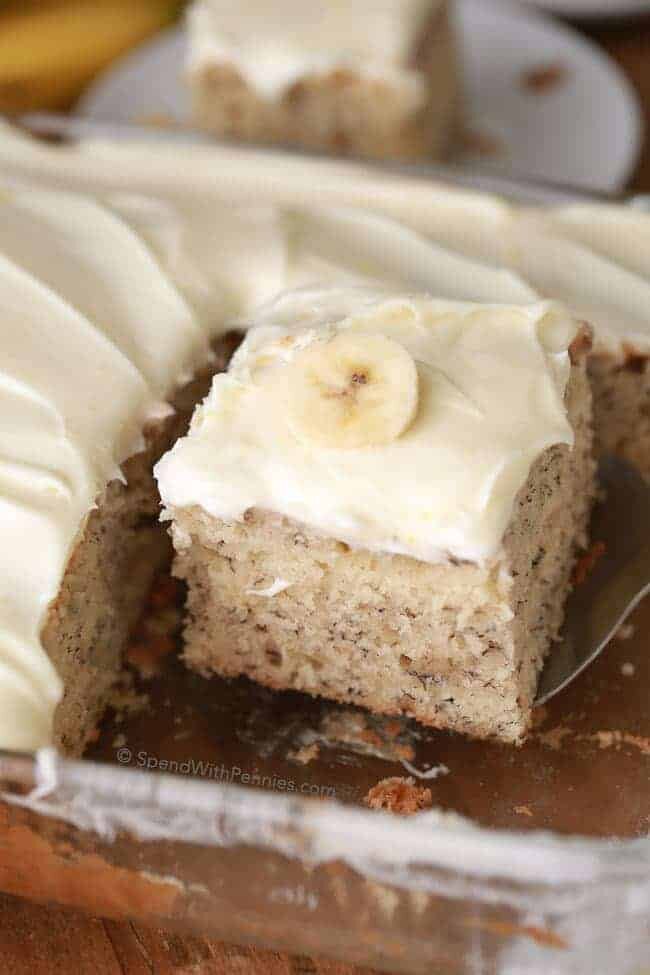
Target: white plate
point(594, 8)
point(585, 130)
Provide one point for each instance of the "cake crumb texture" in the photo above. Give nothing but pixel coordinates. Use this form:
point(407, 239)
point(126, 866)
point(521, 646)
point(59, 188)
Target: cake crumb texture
point(399, 795)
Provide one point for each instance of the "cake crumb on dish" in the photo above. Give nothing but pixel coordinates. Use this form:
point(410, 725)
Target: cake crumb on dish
point(305, 754)
point(125, 699)
point(628, 669)
point(540, 714)
point(554, 737)
point(603, 739)
point(615, 739)
point(545, 77)
point(523, 810)
point(399, 794)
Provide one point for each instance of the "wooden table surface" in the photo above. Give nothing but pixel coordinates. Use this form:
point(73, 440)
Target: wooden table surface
point(36, 940)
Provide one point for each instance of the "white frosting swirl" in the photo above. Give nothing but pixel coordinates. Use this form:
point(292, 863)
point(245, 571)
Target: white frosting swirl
point(595, 258)
point(89, 257)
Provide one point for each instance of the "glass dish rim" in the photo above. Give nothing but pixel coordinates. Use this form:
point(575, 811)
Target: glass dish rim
point(106, 799)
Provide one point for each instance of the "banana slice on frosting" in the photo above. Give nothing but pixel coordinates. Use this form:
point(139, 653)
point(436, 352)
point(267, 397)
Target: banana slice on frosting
point(353, 390)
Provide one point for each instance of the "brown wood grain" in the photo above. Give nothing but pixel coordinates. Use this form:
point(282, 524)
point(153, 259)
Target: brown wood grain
point(36, 940)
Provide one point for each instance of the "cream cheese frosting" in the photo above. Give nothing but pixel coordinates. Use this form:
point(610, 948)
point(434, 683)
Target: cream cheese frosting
point(272, 47)
point(86, 254)
point(224, 259)
point(488, 382)
point(338, 244)
point(594, 258)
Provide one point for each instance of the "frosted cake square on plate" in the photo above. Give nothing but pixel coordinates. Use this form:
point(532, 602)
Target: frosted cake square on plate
point(372, 79)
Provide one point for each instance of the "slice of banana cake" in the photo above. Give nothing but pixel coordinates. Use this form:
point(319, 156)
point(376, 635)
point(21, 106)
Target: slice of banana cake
point(382, 500)
point(373, 77)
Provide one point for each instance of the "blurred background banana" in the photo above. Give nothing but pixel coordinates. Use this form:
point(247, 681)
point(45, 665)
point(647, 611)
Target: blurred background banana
point(51, 49)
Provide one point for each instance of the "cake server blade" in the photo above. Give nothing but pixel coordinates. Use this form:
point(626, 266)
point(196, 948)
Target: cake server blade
point(617, 583)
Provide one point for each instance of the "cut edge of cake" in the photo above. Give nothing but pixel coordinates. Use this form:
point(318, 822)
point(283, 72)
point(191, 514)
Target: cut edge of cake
point(119, 551)
point(620, 385)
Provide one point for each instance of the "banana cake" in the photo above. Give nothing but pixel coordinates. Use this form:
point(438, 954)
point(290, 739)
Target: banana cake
point(381, 502)
point(366, 78)
point(104, 355)
point(116, 317)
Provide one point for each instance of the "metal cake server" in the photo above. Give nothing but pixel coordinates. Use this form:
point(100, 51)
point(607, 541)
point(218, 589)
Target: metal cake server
point(615, 585)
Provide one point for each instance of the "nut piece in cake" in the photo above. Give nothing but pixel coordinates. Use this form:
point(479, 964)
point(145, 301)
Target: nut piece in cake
point(419, 475)
point(373, 79)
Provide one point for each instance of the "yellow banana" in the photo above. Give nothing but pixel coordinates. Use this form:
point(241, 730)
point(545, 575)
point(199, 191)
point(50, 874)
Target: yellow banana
point(50, 50)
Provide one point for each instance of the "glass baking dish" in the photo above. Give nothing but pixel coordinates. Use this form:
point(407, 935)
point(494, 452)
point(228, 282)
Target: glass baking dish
point(425, 895)
point(227, 809)
point(230, 809)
